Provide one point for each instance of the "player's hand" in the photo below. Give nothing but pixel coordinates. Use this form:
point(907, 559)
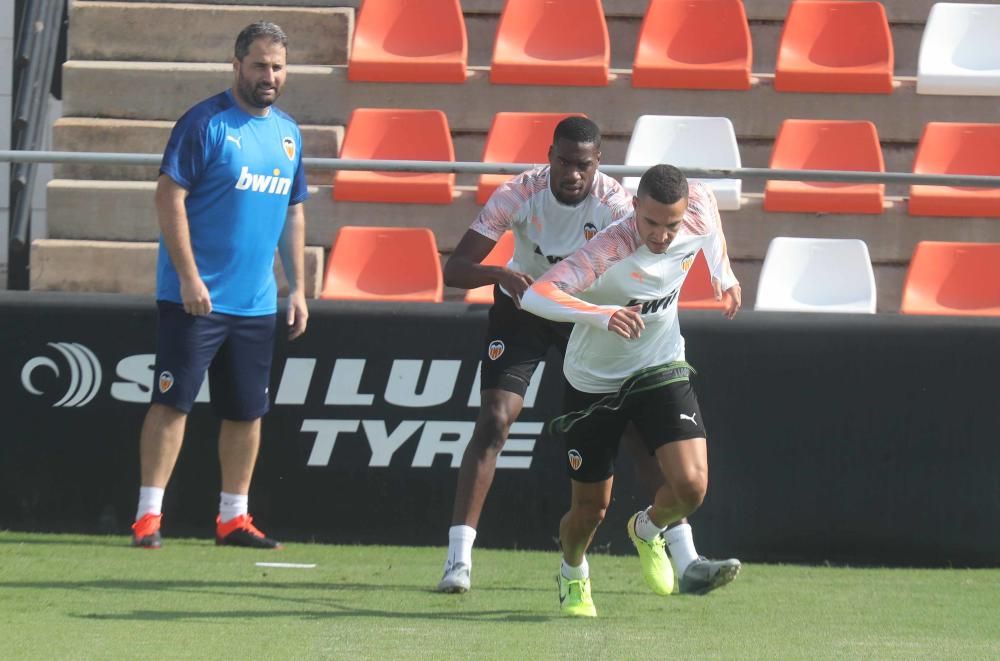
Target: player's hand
point(195, 297)
point(627, 322)
point(515, 283)
point(732, 298)
point(298, 315)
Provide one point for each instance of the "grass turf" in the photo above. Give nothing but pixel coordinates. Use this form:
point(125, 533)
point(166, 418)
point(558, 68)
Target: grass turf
point(78, 597)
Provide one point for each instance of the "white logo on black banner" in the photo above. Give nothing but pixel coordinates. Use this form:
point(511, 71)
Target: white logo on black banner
point(84, 373)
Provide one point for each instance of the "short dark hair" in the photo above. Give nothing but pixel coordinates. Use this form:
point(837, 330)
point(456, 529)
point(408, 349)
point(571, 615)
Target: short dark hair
point(664, 183)
point(579, 130)
point(255, 31)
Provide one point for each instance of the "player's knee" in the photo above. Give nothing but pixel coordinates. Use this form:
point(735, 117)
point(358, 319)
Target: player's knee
point(493, 426)
point(592, 513)
point(691, 489)
point(591, 510)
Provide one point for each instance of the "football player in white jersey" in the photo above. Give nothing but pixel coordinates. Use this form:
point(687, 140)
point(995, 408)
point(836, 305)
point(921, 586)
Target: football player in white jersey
point(552, 211)
point(625, 364)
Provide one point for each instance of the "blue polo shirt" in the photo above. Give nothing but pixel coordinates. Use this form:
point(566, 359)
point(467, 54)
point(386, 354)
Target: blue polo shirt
point(242, 172)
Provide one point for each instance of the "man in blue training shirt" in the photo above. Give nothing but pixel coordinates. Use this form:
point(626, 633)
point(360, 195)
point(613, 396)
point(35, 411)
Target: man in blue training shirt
point(230, 191)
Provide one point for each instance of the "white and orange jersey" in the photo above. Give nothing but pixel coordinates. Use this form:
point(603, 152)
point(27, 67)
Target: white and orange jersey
point(546, 230)
point(615, 270)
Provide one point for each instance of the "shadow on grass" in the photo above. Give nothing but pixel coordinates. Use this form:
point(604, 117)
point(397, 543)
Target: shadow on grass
point(243, 587)
point(331, 611)
point(53, 540)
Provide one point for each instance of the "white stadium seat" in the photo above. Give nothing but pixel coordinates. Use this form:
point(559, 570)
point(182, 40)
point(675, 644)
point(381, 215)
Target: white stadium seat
point(958, 51)
point(687, 142)
point(816, 275)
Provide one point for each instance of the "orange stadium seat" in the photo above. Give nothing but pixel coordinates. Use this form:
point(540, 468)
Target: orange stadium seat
point(835, 46)
point(555, 42)
point(389, 134)
point(499, 256)
point(953, 279)
point(384, 264)
point(804, 144)
point(696, 292)
point(517, 137)
point(955, 148)
point(694, 44)
point(409, 41)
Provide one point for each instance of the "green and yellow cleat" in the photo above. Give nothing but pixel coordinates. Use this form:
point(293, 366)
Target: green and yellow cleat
point(656, 568)
point(574, 597)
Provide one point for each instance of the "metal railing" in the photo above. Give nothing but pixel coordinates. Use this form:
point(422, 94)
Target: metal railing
point(843, 176)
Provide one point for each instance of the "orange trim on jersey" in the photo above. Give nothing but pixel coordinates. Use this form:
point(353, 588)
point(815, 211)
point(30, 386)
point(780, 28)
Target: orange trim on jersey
point(552, 293)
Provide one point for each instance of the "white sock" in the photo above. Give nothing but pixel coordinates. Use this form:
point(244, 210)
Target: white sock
point(645, 528)
point(680, 541)
point(232, 505)
point(150, 501)
point(460, 539)
point(576, 573)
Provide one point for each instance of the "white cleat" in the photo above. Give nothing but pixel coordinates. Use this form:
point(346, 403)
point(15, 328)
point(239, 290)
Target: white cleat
point(457, 579)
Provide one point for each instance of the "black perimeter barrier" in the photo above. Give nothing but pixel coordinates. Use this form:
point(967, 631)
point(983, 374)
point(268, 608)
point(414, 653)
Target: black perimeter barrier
point(863, 439)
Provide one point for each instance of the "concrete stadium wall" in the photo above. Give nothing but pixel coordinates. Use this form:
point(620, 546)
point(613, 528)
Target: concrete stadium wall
point(842, 438)
point(6, 97)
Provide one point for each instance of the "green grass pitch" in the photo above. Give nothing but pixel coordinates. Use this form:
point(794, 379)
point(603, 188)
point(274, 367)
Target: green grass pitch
point(77, 597)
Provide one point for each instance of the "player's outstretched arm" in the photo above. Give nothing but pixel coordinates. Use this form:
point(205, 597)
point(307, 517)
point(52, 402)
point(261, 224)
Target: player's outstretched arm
point(465, 270)
point(172, 217)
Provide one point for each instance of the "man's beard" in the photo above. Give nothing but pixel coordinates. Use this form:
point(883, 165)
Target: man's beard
point(250, 94)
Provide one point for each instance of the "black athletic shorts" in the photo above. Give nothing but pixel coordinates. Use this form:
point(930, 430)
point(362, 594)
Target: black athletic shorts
point(662, 415)
point(236, 351)
point(515, 343)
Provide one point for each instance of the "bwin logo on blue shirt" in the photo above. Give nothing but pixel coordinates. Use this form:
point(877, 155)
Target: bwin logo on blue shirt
point(263, 183)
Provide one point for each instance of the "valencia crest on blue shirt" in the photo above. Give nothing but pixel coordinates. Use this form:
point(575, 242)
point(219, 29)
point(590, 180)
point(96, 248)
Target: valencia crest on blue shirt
point(589, 230)
point(289, 146)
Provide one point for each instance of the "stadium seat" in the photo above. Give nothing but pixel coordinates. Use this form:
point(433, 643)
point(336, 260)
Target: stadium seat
point(555, 42)
point(696, 292)
point(835, 46)
point(825, 145)
point(384, 264)
point(694, 44)
point(499, 256)
point(953, 279)
point(517, 137)
point(389, 134)
point(958, 51)
point(955, 148)
point(409, 41)
point(816, 275)
point(692, 142)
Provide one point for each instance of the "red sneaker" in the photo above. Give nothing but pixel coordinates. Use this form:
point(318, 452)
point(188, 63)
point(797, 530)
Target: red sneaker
point(242, 532)
point(146, 532)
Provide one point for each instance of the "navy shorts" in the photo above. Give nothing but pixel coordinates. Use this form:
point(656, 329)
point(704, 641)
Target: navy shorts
point(516, 341)
point(236, 352)
point(661, 415)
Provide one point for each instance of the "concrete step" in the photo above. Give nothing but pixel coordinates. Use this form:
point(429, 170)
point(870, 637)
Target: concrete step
point(898, 11)
point(150, 137)
point(322, 95)
point(130, 268)
point(159, 31)
point(126, 267)
point(124, 211)
point(623, 34)
point(137, 136)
